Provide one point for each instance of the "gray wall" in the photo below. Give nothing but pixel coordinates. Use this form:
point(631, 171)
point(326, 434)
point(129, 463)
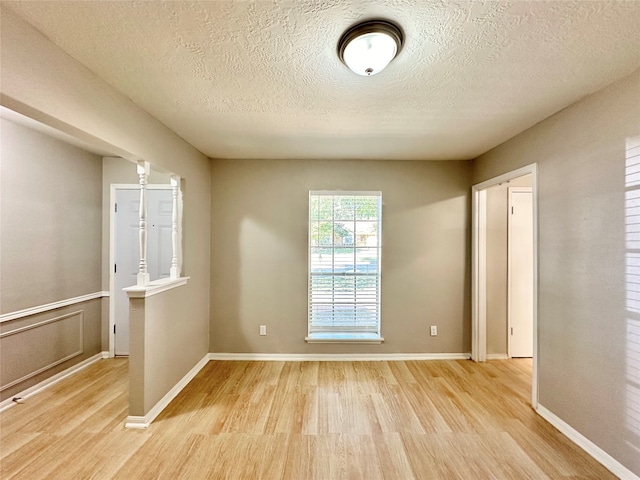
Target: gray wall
point(41, 81)
point(50, 251)
point(259, 253)
point(589, 347)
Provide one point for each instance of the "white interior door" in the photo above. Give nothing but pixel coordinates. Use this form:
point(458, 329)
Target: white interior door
point(520, 272)
point(127, 249)
point(159, 247)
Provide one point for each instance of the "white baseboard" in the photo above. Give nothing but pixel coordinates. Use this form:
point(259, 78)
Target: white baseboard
point(330, 357)
point(134, 421)
point(497, 356)
point(587, 445)
point(8, 403)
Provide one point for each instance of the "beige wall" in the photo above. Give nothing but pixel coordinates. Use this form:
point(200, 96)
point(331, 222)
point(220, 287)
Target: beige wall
point(497, 288)
point(153, 319)
point(49, 251)
point(41, 81)
point(50, 225)
point(259, 253)
point(588, 351)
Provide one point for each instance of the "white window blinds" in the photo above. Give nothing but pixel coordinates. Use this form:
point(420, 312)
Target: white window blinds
point(344, 262)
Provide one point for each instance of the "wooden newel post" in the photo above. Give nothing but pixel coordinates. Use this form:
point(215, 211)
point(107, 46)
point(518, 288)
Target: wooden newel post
point(175, 243)
point(143, 174)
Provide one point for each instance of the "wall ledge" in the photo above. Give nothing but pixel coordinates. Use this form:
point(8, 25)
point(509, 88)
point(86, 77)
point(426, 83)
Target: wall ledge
point(155, 287)
point(367, 339)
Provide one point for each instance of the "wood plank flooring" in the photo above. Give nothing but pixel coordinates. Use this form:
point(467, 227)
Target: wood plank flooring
point(297, 420)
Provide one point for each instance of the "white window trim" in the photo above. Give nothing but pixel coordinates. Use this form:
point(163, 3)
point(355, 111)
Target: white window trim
point(370, 338)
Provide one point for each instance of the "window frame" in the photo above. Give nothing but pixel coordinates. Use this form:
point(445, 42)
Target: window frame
point(340, 335)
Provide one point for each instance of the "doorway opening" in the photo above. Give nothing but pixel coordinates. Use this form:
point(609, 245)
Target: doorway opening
point(125, 252)
point(482, 262)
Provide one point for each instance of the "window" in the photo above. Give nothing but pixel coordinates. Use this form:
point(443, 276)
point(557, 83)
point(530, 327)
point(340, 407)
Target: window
point(344, 266)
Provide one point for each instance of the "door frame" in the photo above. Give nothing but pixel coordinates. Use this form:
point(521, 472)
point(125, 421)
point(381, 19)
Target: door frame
point(511, 190)
point(479, 268)
point(112, 251)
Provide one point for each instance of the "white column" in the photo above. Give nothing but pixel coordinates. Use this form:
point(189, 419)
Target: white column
point(143, 174)
point(175, 221)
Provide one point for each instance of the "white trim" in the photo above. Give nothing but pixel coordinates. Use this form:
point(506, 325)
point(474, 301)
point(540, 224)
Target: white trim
point(138, 422)
point(6, 317)
point(367, 193)
point(478, 276)
point(134, 421)
point(44, 368)
point(479, 267)
point(377, 340)
point(311, 336)
point(45, 322)
point(8, 403)
point(155, 287)
point(610, 463)
point(497, 356)
point(338, 357)
point(505, 177)
point(112, 260)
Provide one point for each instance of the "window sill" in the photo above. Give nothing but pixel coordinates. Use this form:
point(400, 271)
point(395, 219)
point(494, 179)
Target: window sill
point(155, 287)
point(361, 338)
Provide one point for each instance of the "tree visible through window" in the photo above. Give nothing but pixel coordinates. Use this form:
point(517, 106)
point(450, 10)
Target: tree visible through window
point(344, 265)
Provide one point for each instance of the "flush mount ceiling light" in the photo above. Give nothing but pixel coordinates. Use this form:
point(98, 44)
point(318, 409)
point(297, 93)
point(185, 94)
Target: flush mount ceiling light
point(367, 48)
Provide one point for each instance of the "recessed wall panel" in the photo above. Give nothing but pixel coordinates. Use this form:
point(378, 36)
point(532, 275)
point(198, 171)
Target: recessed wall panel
point(32, 349)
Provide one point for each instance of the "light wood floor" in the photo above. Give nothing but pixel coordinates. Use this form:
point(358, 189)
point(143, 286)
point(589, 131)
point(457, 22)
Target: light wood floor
point(297, 420)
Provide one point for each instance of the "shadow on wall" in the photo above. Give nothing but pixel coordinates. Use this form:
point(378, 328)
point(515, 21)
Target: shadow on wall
point(632, 229)
point(269, 285)
point(255, 242)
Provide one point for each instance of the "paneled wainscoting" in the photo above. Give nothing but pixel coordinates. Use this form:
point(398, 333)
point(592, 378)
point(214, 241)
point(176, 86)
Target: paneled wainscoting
point(42, 342)
point(28, 351)
point(449, 419)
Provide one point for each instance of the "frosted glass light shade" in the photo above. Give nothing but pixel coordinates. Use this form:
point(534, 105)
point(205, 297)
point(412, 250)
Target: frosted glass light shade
point(370, 53)
point(368, 48)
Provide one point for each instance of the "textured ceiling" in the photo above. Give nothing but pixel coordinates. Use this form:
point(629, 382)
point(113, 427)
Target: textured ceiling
point(261, 79)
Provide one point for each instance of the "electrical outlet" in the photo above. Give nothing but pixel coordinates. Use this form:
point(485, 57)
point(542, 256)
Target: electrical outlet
point(263, 329)
point(434, 331)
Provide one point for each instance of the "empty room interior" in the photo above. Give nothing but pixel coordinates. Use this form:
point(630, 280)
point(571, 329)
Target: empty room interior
point(303, 239)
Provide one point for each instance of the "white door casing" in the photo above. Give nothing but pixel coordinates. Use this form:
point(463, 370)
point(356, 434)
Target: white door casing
point(520, 272)
point(479, 274)
point(126, 262)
